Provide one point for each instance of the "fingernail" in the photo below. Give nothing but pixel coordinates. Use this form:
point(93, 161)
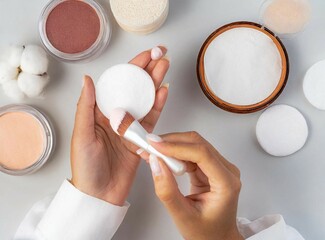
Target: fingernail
point(166, 85)
point(140, 151)
point(154, 138)
point(154, 165)
point(156, 53)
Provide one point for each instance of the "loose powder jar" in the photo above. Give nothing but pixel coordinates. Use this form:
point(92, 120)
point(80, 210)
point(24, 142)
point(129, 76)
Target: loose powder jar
point(26, 139)
point(73, 30)
point(141, 16)
point(242, 67)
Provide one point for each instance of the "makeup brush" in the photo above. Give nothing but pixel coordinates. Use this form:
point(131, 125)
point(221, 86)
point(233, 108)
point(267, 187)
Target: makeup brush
point(124, 124)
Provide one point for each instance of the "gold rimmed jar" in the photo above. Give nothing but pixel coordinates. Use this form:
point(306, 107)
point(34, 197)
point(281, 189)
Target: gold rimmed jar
point(242, 109)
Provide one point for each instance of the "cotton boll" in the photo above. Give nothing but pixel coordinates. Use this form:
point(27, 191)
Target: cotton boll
point(32, 85)
point(15, 53)
point(34, 60)
point(7, 72)
point(12, 90)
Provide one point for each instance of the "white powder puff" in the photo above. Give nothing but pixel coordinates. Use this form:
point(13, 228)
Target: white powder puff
point(243, 66)
point(7, 72)
point(281, 130)
point(14, 54)
point(12, 90)
point(34, 60)
point(128, 87)
point(314, 85)
point(32, 85)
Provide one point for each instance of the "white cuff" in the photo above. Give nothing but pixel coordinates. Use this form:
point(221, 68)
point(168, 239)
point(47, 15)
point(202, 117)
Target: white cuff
point(74, 215)
point(267, 228)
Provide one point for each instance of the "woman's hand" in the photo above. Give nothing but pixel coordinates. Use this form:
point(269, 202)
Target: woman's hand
point(104, 164)
point(210, 211)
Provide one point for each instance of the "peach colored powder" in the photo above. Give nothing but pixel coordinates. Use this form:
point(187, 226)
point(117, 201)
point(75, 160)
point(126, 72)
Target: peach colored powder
point(287, 16)
point(21, 140)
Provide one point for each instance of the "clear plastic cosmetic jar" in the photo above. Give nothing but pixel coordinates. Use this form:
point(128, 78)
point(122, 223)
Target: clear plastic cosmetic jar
point(26, 139)
point(74, 30)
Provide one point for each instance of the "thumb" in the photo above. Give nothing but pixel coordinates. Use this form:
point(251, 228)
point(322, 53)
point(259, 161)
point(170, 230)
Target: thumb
point(166, 188)
point(85, 116)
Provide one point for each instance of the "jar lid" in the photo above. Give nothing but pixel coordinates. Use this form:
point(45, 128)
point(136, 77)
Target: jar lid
point(285, 17)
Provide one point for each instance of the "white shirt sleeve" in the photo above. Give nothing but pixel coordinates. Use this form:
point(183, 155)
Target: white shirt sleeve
point(71, 215)
point(270, 227)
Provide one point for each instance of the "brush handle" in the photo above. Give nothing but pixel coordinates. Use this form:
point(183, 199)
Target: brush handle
point(178, 167)
point(138, 136)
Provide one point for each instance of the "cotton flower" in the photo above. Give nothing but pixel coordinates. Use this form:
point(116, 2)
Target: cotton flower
point(32, 85)
point(7, 72)
point(23, 73)
point(14, 55)
point(34, 60)
point(12, 90)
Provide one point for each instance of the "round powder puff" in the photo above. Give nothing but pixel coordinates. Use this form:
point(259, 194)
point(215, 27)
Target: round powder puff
point(128, 87)
point(34, 60)
point(141, 16)
point(281, 130)
point(314, 85)
point(287, 16)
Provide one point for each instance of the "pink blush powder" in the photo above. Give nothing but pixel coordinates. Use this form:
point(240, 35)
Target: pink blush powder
point(72, 26)
point(21, 140)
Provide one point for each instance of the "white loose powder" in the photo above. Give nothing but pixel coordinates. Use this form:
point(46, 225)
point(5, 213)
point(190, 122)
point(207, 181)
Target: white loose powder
point(242, 66)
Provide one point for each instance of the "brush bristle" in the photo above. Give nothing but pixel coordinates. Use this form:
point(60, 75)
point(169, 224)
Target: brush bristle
point(125, 124)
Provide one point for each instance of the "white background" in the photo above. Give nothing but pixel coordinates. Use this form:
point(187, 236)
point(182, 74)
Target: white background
point(293, 186)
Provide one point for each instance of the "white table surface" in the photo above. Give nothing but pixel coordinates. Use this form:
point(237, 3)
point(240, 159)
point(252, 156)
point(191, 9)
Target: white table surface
point(293, 186)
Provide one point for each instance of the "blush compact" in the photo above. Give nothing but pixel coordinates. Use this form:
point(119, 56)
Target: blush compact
point(73, 30)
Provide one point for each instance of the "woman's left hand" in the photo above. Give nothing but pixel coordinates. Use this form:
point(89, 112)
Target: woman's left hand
point(103, 163)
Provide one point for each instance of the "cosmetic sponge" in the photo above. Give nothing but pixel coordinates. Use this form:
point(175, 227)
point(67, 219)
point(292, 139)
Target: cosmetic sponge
point(125, 86)
point(287, 16)
point(314, 85)
point(281, 130)
point(141, 16)
point(23, 71)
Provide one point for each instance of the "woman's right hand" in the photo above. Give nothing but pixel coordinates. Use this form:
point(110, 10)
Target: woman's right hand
point(210, 211)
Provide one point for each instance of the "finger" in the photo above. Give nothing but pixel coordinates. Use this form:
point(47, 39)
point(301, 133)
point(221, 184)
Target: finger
point(166, 188)
point(196, 153)
point(143, 154)
point(142, 60)
point(194, 137)
point(149, 122)
point(186, 137)
point(159, 72)
point(85, 116)
point(156, 57)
